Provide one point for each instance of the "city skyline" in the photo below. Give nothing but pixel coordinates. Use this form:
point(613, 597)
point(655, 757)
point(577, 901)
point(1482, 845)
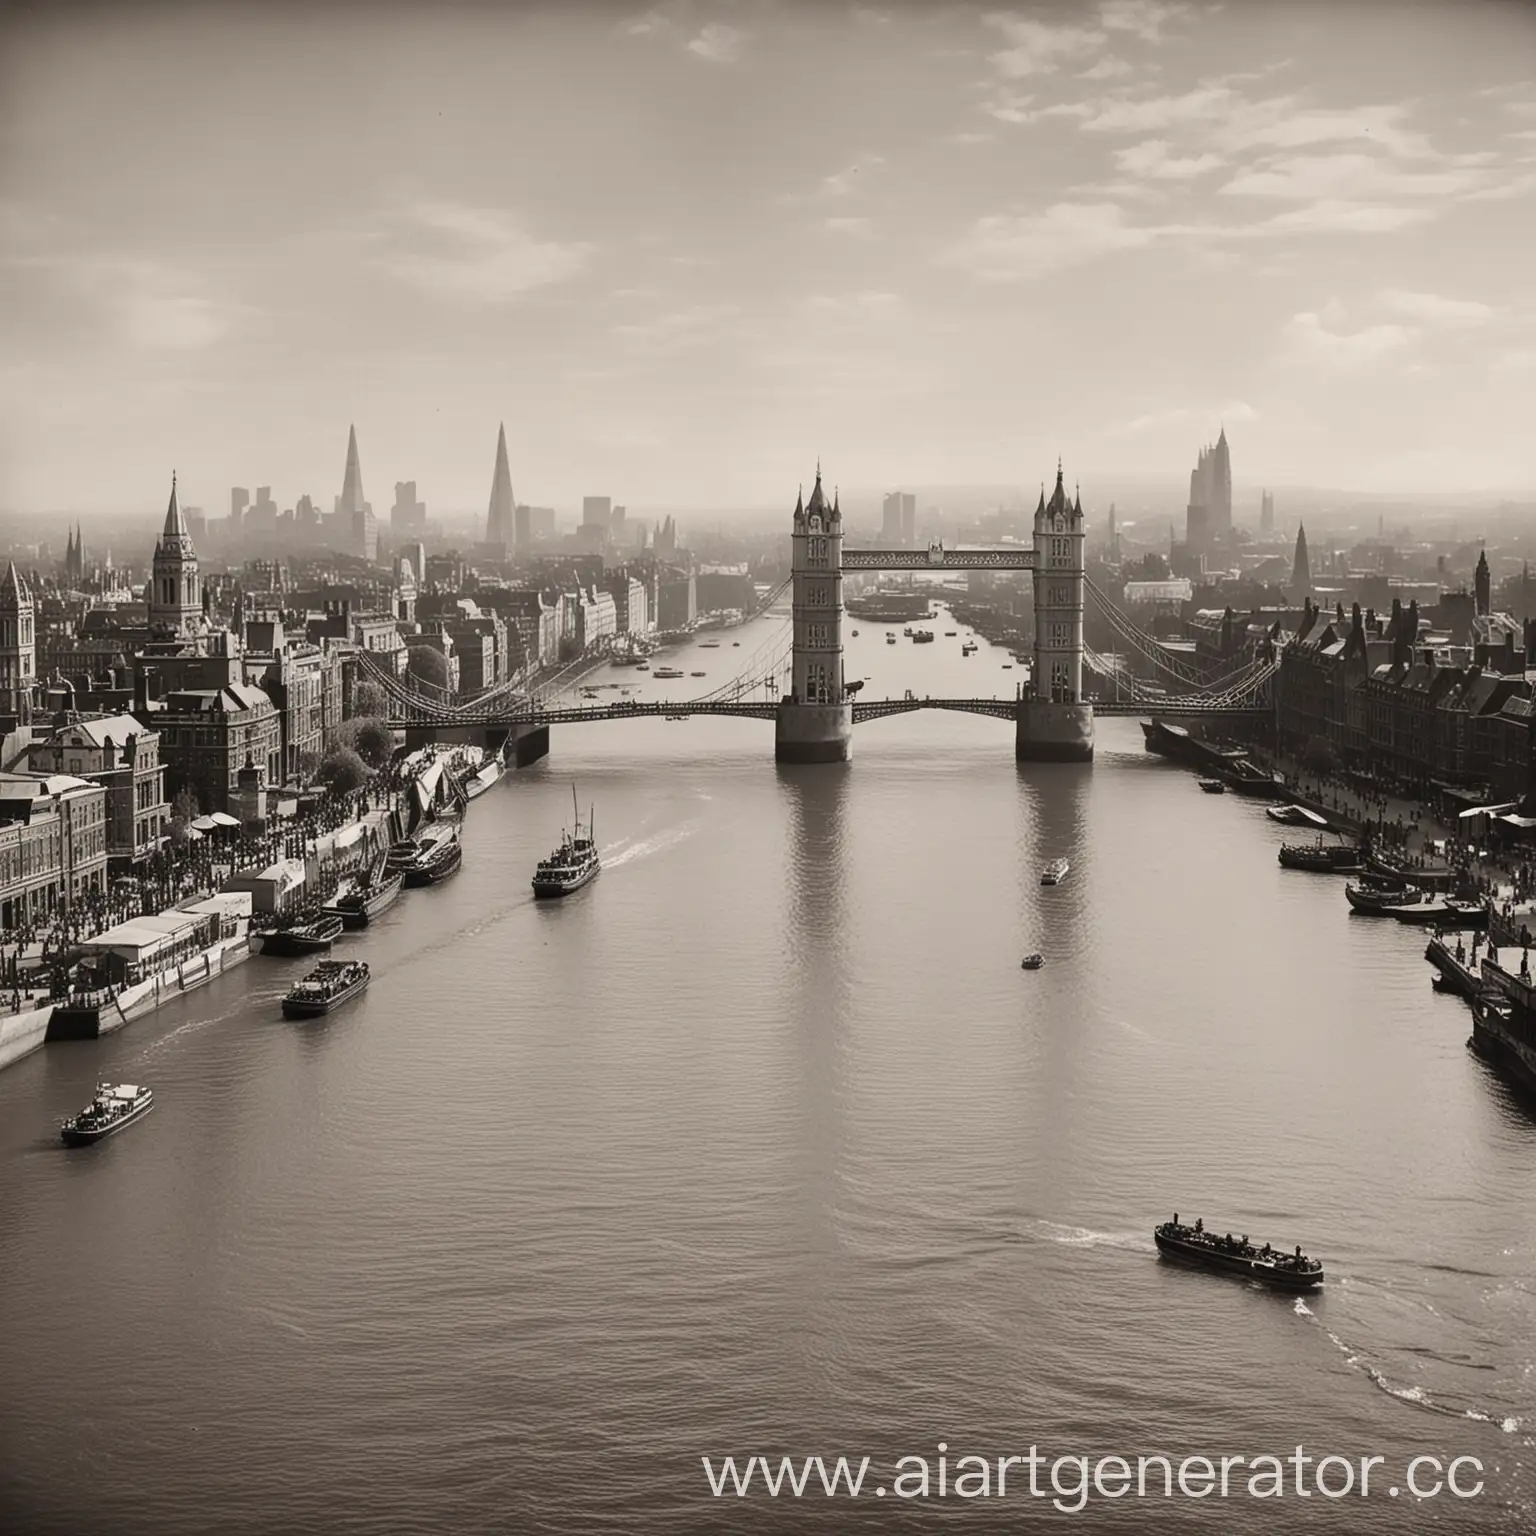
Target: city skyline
point(1106, 230)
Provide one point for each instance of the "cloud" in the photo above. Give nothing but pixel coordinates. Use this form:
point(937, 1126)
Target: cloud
point(1310, 337)
point(643, 26)
point(845, 226)
point(1037, 47)
point(970, 138)
point(1013, 249)
point(1431, 309)
point(718, 43)
point(1145, 18)
point(479, 254)
point(1108, 68)
point(1306, 178)
point(173, 323)
point(869, 302)
point(1335, 216)
point(1151, 158)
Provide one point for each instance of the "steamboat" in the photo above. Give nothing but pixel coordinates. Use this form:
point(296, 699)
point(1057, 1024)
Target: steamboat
point(111, 1109)
point(1054, 872)
point(573, 864)
point(300, 935)
point(1504, 1023)
point(436, 859)
point(328, 986)
point(368, 896)
point(1237, 1256)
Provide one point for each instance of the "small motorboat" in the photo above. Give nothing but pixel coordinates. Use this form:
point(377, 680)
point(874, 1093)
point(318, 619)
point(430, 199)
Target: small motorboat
point(1054, 872)
point(1031, 962)
point(1213, 786)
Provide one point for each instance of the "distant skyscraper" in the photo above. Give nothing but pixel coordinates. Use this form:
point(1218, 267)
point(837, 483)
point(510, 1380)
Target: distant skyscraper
point(1482, 584)
point(1266, 513)
point(239, 500)
point(1301, 571)
point(500, 515)
point(908, 519)
point(597, 513)
point(890, 520)
point(1209, 515)
point(616, 523)
point(522, 528)
point(358, 527)
point(408, 517)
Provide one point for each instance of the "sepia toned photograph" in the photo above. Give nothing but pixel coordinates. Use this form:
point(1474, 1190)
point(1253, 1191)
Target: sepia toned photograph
point(767, 766)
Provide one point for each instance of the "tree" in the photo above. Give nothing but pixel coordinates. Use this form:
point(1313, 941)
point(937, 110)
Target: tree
point(374, 742)
point(309, 766)
point(342, 770)
point(369, 701)
point(428, 665)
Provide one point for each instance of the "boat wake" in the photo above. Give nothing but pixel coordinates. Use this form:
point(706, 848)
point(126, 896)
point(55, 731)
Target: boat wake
point(1506, 1423)
point(626, 851)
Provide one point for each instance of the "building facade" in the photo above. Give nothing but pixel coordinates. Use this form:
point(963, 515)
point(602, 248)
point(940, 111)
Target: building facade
point(120, 754)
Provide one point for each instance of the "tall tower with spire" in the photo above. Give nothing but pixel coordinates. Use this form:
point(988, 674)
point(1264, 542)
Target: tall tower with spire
point(500, 518)
point(815, 721)
point(1482, 585)
point(1054, 724)
point(18, 649)
point(1301, 571)
point(359, 529)
point(1221, 490)
point(175, 587)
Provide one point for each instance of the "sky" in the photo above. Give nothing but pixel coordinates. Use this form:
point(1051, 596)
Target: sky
point(683, 251)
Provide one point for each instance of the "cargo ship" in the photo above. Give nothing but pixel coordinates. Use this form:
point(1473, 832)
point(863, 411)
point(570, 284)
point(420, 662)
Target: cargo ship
point(436, 858)
point(1322, 858)
point(299, 936)
point(1236, 1255)
point(1230, 764)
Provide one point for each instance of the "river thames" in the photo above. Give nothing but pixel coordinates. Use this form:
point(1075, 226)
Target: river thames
point(764, 1143)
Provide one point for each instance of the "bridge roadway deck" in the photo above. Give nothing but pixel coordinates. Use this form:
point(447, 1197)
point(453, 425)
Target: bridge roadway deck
point(870, 709)
point(938, 559)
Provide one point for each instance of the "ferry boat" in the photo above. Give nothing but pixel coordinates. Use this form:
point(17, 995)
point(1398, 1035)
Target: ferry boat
point(1213, 786)
point(922, 637)
point(1054, 872)
point(1194, 1245)
point(300, 936)
point(111, 1109)
point(1031, 962)
point(698, 674)
point(367, 897)
point(667, 672)
point(328, 986)
point(436, 859)
point(968, 648)
point(573, 864)
point(1321, 858)
point(890, 639)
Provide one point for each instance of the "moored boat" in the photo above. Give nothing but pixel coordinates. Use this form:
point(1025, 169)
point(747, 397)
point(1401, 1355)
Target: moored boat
point(573, 864)
point(1504, 1034)
point(1054, 872)
point(1031, 962)
point(1321, 857)
point(1236, 1255)
point(328, 986)
point(1213, 786)
point(1381, 901)
point(366, 898)
point(111, 1109)
point(480, 781)
point(437, 860)
point(306, 936)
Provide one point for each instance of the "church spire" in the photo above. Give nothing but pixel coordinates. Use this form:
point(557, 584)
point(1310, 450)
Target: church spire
point(352, 478)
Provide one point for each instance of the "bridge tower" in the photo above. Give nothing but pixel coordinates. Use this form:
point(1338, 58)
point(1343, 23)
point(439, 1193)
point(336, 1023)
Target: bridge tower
point(814, 723)
point(1054, 724)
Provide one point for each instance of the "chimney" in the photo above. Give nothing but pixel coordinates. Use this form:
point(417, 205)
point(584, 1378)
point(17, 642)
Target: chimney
point(141, 678)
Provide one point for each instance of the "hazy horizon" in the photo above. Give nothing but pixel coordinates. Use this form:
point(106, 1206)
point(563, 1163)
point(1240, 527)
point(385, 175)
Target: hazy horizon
point(682, 251)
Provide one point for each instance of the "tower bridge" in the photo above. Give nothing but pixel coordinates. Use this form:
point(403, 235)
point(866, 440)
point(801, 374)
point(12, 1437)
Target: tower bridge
point(814, 718)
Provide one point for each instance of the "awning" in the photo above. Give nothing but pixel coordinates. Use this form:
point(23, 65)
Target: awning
point(204, 824)
point(224, 819)
point(1312, 816)
point(1488, 810)
point(1520, 823)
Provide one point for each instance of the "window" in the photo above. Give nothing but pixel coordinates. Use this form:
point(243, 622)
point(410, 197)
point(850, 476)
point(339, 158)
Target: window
point(817, 552)
point(818, 596)
point(1059, 596)
point(818, 635)
point(1061, 635)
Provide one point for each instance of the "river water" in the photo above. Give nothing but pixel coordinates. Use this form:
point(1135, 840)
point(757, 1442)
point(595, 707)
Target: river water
point(764, 1143)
